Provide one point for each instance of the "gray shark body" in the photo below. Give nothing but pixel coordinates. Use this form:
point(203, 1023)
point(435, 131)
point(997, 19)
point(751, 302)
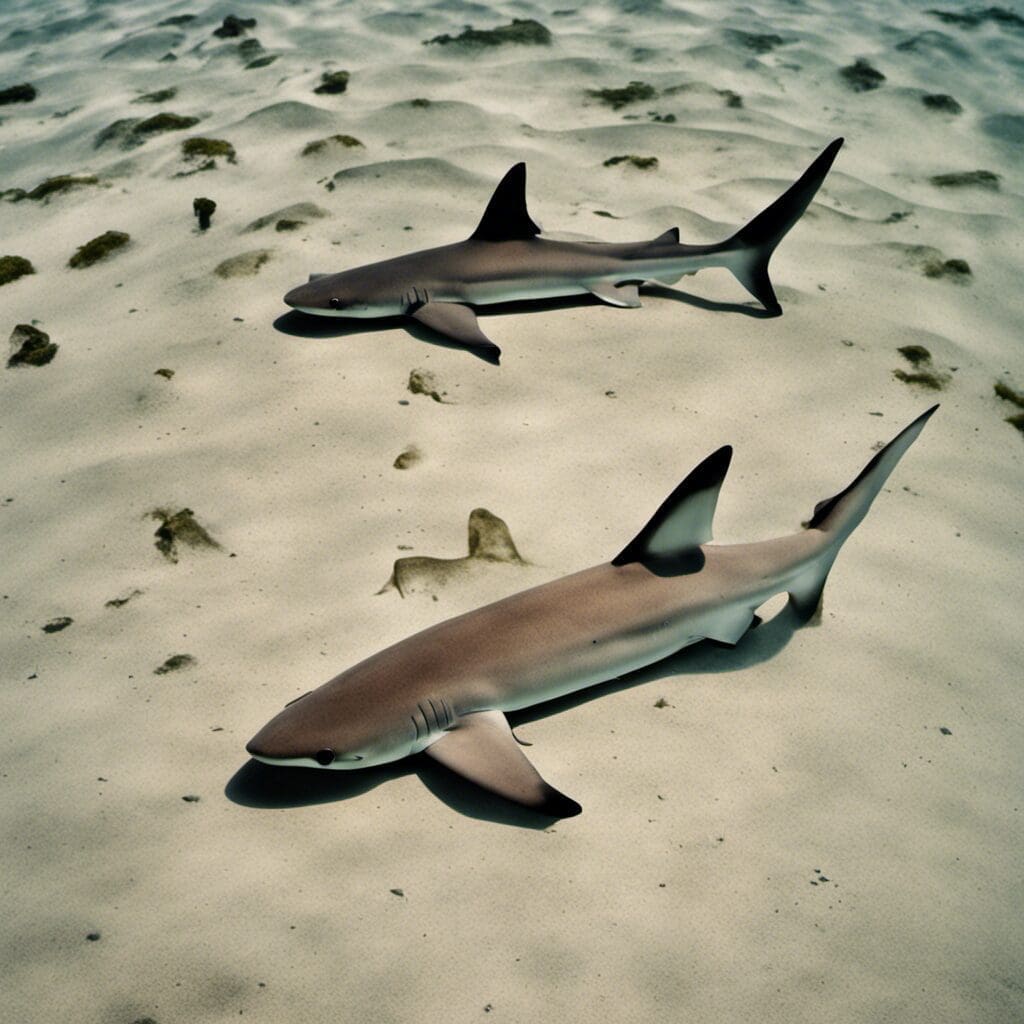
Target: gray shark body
point(446, 689)
point(505, 261)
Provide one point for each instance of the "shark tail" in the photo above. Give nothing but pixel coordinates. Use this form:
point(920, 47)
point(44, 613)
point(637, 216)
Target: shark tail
point(752, 246)
point(840, 515)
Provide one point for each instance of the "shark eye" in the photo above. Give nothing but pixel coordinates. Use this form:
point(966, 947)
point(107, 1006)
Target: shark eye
point(336, 303)
point(324, 757)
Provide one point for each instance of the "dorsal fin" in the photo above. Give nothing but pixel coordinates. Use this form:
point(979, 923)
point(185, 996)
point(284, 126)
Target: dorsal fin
point(683, 522)
point(672, 235)
point(506, 216)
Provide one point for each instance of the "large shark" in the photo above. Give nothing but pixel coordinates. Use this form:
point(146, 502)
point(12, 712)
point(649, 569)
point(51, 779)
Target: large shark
point(505, 261)
point(445, 690)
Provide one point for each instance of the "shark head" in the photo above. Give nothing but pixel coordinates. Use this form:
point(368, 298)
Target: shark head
point(333, 728)
point(358, 293)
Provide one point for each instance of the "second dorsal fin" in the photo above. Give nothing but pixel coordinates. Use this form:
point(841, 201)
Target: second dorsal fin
point(683, 522)
point(506, 216)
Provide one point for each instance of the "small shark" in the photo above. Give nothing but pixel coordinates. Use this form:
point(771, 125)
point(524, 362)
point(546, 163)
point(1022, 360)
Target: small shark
point(445, 690)
point(504, 261)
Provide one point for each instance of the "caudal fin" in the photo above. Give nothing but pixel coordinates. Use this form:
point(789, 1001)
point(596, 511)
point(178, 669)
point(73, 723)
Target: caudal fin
point(840, 514)
point(752, 246)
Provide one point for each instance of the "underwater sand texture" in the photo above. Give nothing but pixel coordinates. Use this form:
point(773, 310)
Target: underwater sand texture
point(825, 826)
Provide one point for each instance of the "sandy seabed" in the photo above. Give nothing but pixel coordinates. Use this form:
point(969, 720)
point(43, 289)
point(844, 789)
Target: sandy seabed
point(816, 826)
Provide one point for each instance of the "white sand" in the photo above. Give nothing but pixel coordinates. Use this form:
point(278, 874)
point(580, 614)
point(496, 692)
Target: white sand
point(686, 889)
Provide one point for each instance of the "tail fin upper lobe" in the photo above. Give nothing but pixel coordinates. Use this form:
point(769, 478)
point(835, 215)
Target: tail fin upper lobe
point(752, 246)
point(840, 514)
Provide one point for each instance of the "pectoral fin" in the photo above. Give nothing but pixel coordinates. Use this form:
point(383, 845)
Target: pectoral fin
point(481, 748)
point(627, 295)
point(459, 323)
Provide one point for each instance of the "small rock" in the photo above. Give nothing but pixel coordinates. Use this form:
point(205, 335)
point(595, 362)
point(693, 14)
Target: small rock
point(332, 82)
point(190, 798)
point(397, 892)
point(159, 96)
point(23, 93)
point(93, 937)
point(524, 31)
point(13, 267)
point(32, 347)
point(942, 102)
point(861, 76)
point(233, 26)
point(945, 731)
point(56, 625)
point(408, 458)
point(203, 209)
point(163, 372)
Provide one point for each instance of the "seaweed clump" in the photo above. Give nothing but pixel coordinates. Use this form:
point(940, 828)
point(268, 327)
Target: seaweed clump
point(959, 179)
point(233, 26)
point(13, 267)
point(861, 76)
point(952, 270)
point(31, 347)
point(179, 528)
point(246, 264)
point(159, 96)
point(643, 163)
point(99, 248)
point(172, 664)
point(522, 31)
point(975, 16)
point(924, 374)
point(60, 183)
point(759, 42)
point(203, 153)
point(23, 93)
point(423, 382)
point(942, 102)
point(319, 145)
point(1010, 394)
point(332, 82)
point(631, 93)
point(164, 122)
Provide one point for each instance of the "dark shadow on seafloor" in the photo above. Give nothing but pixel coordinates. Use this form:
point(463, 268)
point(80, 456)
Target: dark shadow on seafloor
point(265, 786)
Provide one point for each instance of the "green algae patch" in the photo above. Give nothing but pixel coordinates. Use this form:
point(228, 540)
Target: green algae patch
point(420, 101)
point(861, 76)
point(23, 93)
point(164, 122)
point(31, 347)
point(732, 99)
point(13, 267)
point(643, 163)
point(520, 31)
point(177, 528)
point(332, 82)
point(634, 92)
point(330, 142)
point(423, 382)
point(924, 374)
point(173, 664)
point(287, 224)
point(158, 96)
point(205, 152)
point(246, 264)
point(961, 179)
point(60, 183)
point(99, 248)
point(942, 102)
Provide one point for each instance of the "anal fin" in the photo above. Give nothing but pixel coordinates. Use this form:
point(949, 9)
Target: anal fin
point(481, 748)
point(624, 295)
